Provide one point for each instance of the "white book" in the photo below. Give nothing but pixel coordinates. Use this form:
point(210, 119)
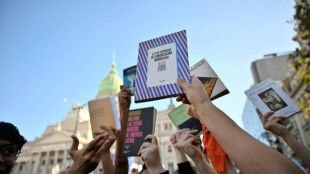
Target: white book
point(268, 96)
point(203, 69)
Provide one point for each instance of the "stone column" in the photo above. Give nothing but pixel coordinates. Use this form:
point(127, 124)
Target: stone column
point(16, 171)
point(47, 162)
point(38, 163)
point(29, 164)
point(64, 161)
point(56, 158)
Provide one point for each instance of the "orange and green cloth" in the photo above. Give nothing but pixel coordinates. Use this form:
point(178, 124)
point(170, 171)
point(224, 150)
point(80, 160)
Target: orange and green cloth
point(214, 150)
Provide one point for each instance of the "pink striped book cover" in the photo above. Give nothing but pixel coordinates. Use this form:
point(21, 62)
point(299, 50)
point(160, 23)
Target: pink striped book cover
point(160, 62)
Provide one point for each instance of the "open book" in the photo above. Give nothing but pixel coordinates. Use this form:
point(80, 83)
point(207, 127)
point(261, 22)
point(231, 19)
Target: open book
point(268, 96)
point(203, 71)
point(140, 123)
point(103, 111)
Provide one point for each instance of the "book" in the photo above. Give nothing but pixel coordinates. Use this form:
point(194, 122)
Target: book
point(182, 120)
point(140, 123)
point(268, 96)
point(129, 77)
point(208, 83)
point(103, 111)
point(203, 69)
point(160, 62)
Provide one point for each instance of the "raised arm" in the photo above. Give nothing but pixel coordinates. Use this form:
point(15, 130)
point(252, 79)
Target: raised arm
point(149, 152)
point(250, 155)
point(190, 144)
point(275, 125)
point(220, 161)
point(88, 158)
point(183, 164)
point(121, 162)
point(106, 160)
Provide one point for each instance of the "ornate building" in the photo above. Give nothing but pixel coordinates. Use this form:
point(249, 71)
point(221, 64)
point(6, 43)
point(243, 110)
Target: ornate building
point(49, 154)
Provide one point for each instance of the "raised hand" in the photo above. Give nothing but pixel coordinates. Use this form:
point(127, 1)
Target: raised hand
point(190, 144)
point(150, 155)
point(124, 96)
point(191, 110)
point(113, 133)
point(88, 158)
point(273, 124)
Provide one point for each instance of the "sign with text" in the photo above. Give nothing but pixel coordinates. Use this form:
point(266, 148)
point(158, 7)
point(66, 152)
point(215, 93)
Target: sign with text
point(140, 123)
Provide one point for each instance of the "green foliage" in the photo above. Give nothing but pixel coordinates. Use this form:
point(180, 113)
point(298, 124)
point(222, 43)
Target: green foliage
point(300, 59)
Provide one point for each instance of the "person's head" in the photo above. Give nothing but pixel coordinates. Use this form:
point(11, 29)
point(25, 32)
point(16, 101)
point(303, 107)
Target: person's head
point(11, 143)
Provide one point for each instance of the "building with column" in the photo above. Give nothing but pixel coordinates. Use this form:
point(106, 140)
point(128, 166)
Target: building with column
point(49, 154)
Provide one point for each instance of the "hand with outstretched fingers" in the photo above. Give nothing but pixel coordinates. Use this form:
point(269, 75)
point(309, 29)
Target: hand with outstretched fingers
point(113, 133)
point(87, 159)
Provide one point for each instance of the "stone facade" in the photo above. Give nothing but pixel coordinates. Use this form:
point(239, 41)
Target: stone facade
point(49, 154)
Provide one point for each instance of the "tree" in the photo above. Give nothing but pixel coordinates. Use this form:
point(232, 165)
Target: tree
point(300, 59)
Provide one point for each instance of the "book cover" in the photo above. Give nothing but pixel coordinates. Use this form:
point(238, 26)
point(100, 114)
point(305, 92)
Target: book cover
point(182, 120)
point(208, 83)
point(103, 111)
point(140, 123)
point(129, 77)
point(160, 62)
point(268, 96)
point(203, 69)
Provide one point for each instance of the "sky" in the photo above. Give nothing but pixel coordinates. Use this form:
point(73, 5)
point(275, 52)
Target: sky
point(54, 49)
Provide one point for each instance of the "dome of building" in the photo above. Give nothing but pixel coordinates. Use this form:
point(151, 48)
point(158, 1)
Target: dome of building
point(110, 85)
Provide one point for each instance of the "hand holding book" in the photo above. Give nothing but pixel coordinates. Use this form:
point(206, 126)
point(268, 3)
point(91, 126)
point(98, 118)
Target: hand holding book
point(192, 96)
point(273, 124)
point(112, 133)
point(124, 96)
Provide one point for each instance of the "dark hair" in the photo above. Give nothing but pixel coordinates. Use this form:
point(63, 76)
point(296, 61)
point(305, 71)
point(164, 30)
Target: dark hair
point(10, 133)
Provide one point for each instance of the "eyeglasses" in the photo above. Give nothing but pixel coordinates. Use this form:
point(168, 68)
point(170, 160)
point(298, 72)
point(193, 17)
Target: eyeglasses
point(9, 151)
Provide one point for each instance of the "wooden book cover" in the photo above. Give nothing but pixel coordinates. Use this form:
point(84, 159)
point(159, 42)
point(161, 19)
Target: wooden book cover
point(103, 111)
point(268, 96)
point(182, 120)
point(129, 77)
point(203, 69)
point(160, 62)
point(140, 123)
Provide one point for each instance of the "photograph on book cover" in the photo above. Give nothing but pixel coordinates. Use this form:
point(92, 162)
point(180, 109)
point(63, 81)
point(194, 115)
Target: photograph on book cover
point(160, 62)
point(272, 100)
point(268, 96)
point(208, 83)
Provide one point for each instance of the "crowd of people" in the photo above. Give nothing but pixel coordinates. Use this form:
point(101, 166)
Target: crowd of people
point(227, 145)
